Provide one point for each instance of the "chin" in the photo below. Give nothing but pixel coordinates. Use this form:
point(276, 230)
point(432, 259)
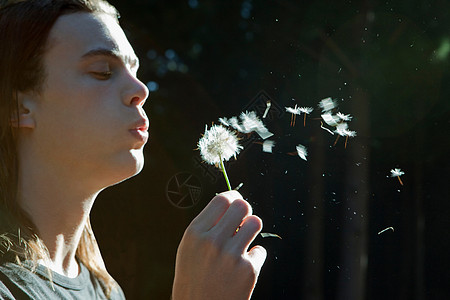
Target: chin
point(128, 166)
point(139, 161)
point(137, 164)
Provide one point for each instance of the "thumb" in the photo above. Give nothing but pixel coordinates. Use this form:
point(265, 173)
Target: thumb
point(257, 256)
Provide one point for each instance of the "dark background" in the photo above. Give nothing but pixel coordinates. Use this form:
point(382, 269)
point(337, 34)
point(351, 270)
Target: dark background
point(385, 62)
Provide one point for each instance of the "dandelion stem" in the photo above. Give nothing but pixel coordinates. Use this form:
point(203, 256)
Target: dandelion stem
point(335, 142)
point(400, 180)
point(222, 166)
point(304, 120)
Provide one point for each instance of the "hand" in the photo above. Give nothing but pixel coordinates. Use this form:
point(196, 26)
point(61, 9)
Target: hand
point(212, 259)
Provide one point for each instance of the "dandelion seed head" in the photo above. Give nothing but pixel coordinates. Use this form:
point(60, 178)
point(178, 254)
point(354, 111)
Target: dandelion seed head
point(396, 172)
point(341, 129)
point(224, 121)
point(268, 145)
point(350, 133)
point(249, 115)
point(234, 122)
point(327, 104)
point(293, 110)
point(306, 110)
point(250, 122)
point(301, 151)
point(218, 143)
point(344, 117)
point(330, 119)
point(264, 134)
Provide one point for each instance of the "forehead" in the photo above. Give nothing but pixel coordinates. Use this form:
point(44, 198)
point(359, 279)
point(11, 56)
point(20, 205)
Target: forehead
point(77, 34)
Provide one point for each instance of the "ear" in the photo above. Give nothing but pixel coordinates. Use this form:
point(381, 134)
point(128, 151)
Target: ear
point(24, 118)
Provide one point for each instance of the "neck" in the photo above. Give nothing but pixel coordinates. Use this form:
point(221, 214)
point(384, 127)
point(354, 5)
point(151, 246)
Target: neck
point(59, 206)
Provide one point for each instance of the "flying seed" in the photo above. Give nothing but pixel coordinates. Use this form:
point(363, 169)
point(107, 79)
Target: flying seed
point(268, 103)
point(267, 234)
point(386, 229)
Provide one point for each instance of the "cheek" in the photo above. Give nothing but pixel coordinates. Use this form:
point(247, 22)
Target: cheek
point(76, 106)
point(78, 119)
point(77, 99)
point(76, 88)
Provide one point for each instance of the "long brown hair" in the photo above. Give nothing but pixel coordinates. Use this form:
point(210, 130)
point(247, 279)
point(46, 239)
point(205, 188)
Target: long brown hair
point(24, 29)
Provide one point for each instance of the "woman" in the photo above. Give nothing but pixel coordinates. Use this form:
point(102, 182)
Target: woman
point(72, 124)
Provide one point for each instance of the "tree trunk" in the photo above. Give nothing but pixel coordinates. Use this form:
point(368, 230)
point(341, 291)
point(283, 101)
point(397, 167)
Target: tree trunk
point(352, 281)
point(314, 256)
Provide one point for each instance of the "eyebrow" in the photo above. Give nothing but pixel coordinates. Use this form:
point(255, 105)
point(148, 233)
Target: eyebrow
point(112, 53)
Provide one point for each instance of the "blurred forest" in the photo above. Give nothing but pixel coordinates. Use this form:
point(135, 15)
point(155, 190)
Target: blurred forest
point(385, 62)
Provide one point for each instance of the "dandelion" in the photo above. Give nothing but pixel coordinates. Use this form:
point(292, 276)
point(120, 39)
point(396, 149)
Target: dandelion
point(301, 151)
point(327, 104)
point(306, 111)
point(397, 173)
point(218, 144)
point(344, 117)
point(294, 111)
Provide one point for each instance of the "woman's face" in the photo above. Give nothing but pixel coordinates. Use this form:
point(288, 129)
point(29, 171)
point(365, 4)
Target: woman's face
point(89, 116)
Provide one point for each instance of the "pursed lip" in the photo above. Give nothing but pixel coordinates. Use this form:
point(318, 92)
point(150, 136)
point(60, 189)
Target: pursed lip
point(140, 130)
point(142, 125)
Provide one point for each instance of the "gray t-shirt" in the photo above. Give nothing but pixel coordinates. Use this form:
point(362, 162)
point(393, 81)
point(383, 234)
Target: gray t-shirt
point(18, 282)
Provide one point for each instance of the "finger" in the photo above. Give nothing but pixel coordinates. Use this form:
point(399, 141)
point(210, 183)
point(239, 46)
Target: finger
point(257, 256)
point(215, 209)
point(250, 228)
point(232, 218)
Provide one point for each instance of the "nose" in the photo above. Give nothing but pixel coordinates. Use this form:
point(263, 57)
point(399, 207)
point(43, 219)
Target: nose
point(137, 93)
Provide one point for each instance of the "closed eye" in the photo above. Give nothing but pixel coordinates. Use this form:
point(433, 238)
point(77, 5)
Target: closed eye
point(102, 75)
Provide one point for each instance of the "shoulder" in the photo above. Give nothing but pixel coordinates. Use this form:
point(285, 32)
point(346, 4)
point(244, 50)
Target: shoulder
point(12, 279)
point(5, 293)
point(19, 282)
point(117, 294)
point(9, 287)
point(100, 287)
